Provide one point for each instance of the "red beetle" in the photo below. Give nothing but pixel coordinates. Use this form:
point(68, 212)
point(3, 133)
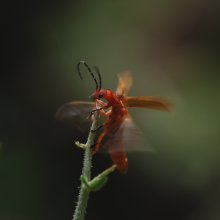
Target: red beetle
point(118, 129)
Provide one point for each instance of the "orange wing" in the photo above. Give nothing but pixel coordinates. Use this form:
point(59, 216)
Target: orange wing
point(124, 83)
point(147, 102)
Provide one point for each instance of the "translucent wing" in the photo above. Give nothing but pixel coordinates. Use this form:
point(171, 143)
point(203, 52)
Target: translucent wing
point(124, 83)
point(75, 115)
point(128, 137)
point(147, 102)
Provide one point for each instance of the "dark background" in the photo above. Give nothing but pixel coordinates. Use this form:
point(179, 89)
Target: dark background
point(172, 49)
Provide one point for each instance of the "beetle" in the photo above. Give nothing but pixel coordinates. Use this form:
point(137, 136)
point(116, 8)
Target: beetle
point(118, 128)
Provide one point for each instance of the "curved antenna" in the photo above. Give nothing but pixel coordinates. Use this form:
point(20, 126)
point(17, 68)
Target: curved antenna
point(90, 71)
point(99, 75)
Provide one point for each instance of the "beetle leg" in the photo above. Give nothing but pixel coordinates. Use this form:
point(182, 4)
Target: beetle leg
point(94, 110)
point(98, 143)
point(100, 106)
point(107, 113)
point(100, 103)
point(98, 109)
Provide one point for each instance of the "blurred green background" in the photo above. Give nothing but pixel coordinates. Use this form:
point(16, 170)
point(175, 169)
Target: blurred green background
point(172, 49)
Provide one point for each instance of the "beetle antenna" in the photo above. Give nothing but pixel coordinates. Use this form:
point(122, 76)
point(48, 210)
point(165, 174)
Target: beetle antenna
point(99, 75)
point(90, 71)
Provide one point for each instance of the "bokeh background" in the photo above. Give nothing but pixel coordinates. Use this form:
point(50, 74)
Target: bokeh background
point(172, 49)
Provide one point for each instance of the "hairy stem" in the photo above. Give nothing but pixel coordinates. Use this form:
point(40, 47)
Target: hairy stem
point(80, 209)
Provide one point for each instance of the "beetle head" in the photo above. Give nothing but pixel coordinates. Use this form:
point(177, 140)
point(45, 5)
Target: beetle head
point(98, 94)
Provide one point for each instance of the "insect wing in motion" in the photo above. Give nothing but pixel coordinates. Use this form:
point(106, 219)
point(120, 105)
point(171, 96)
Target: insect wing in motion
point(124, 83)
point(147, 102)
point(75, 115)
point(127, 137)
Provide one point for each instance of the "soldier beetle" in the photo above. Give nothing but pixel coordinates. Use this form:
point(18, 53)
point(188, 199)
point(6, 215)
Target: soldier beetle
point(118, 127)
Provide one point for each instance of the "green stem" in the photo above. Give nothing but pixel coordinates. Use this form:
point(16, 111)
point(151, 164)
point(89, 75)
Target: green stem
point(80, 209)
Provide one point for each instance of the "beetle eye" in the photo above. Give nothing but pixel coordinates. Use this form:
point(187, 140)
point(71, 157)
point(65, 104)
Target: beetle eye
point(100, 96)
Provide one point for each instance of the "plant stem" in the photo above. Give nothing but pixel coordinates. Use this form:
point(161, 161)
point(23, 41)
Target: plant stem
point(80, 209)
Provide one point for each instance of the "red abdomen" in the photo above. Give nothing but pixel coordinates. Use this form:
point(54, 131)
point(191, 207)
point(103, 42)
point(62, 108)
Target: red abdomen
point(121, 161)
